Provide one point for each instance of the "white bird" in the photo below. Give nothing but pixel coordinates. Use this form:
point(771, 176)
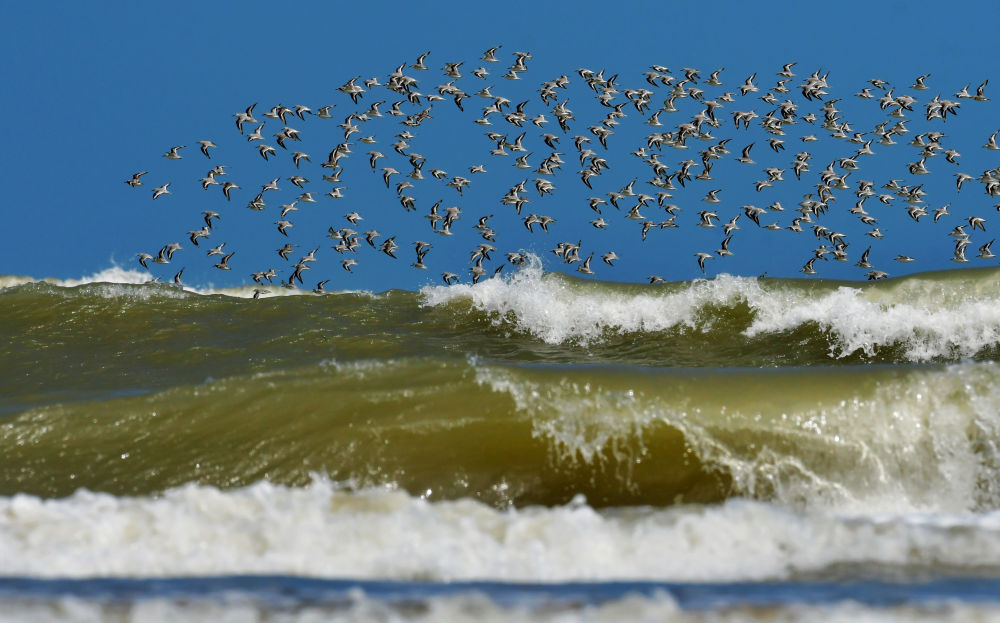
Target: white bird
point(205, 146)
point(701, 259)
point(161, 190)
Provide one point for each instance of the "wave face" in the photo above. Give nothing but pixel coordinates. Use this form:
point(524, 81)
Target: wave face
point(866, 440)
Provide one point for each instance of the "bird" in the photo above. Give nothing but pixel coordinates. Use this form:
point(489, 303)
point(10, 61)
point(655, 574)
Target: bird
point(224, 263)
point(227, 187)
point(205, 146)
point(199, 233)
point(863, 262)
point(159, 191)
point(245, 117)
point(136, 179)
point(724, 248)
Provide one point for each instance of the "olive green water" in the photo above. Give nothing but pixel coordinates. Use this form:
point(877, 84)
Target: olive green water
point(133, 389)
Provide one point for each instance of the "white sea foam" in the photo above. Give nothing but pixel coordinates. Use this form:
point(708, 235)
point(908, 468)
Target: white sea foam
point(116, 275)
point(321, 531)
point(475, 607)
point(863, 321)
point(946, 318)
point(559, 310)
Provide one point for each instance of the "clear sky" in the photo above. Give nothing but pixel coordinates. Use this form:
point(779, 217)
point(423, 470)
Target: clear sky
point(95, 92)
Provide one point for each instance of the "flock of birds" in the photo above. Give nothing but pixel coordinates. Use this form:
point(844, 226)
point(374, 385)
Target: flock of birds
point(515, 131)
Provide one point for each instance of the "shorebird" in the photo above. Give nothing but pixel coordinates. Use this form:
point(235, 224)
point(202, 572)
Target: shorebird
point(160, 191)
point(224, 263)
point(706, 218)
point(265, 151)
point(724, 248)
point(227, 187)
point(245, 117)
point(205, 146)
point(976, 222)
point(204, 232)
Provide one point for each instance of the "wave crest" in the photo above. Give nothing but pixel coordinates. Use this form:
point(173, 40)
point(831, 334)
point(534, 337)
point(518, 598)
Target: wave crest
point(926, 317)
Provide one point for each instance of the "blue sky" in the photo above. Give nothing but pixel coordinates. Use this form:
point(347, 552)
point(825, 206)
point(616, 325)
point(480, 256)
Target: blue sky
point(95, 93)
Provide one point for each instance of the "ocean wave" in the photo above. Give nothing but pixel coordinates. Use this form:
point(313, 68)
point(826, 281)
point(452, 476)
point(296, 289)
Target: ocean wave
point(726, 321)
point(864, 441)
point(323, 531)
point(107, 280)
point(356, 605)
point(952, 314)
point(851, 439)
point(557, 309)
point(286, 600)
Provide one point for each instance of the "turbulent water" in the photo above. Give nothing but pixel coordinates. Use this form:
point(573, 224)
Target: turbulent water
point(789, 442)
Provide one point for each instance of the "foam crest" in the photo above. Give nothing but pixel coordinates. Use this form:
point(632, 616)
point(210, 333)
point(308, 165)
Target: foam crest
point(930, 317)
point(118, 276)
point(321, 531)
point(112, 274)
point(557, 309)
point(864, 321)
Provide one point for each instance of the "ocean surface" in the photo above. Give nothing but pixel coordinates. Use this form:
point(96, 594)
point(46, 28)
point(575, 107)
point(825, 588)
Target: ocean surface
point(534, 447)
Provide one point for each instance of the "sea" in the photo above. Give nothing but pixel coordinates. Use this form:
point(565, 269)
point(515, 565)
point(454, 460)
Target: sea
point(534, 447)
